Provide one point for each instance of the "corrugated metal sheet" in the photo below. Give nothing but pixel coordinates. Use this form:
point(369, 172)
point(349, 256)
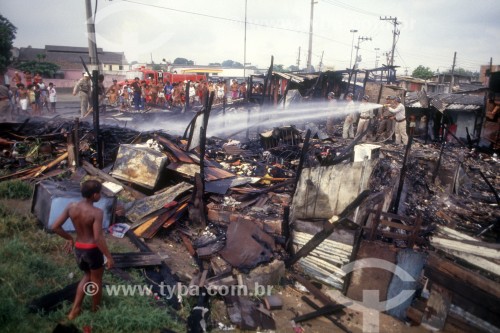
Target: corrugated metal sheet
point(325, 261)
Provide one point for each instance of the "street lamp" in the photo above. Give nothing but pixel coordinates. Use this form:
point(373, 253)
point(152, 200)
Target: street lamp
point(376, 56)
point(353, 31)
point(360, 39)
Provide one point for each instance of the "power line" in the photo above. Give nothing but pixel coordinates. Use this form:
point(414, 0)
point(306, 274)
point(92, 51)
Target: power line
point(340, 4)
point(231, 20)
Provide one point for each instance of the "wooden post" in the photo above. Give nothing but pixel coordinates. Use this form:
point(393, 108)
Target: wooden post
point(443, 144)
point(95, 105)
point(71, 151)
point(403, 174)
point(305, 148)
point(76, 140)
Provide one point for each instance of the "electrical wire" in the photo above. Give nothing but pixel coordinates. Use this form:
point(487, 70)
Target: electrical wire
point(234, 20)
point(340, 4)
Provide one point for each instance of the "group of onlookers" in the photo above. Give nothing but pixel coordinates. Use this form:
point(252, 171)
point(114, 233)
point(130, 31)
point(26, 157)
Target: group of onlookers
point(29, 92)
point(142, 94)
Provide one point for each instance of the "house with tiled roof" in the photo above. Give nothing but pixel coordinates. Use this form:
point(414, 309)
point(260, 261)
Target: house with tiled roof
point(68, 58)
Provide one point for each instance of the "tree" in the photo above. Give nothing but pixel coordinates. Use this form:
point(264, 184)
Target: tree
point(293, 68)
point(214, 64)
point(180, 61)
point(40, 56)
point(278, 68)
point(422, 72)
point(463, 72)
point(7, 35)
point(227, 63)
point(47, 69)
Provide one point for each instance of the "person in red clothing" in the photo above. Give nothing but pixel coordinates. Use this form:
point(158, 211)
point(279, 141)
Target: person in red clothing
point(89, 244)
point(37, 78)
point(28, 79)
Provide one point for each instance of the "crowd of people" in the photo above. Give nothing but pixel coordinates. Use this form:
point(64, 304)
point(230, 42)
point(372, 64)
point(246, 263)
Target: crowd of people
point(142, 95)
point(28, 95)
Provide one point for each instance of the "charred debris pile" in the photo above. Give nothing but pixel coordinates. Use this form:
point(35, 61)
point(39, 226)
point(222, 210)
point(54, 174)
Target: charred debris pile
point(284, 208)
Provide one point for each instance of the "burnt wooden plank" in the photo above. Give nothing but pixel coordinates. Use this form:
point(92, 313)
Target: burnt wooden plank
point(174, 149)
point(157, 224)
point(179, 213)
point(325, 300)
point(197, 204)
point(462, 274)
point(467, 296)
point(328, 316)
point(51, 301)
point(397, 225)
point(187, 244)
point(136, 259)
point(437, 308)
point(325, 310)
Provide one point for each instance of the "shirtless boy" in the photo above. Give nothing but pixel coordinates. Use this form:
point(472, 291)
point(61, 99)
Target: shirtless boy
point(89, 244)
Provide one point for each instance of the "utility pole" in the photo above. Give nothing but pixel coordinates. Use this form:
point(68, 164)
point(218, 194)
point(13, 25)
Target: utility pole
point(245, 44)
point(395, 33)
point(376, 56)
point(321, 61)
point(309, 52)
point(353, 31)
point(95, 82)
point(453, 72)
point(91, 35)
point(360, 39)
point(298, 60)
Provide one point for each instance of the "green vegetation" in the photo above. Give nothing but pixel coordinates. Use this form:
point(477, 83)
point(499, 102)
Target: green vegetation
point(15, 189)
point(422, 72)
point(7, 36)
point(34, 264)
point(47, 69)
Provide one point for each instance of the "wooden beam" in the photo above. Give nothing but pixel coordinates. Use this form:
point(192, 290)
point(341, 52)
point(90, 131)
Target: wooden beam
point(437, 308)
point(325, 300)
point(50, 301)
point(136, 259)
point(476, 249)
point(325, 310)
point(180, 154)
point(331, 318)
point(468, 277)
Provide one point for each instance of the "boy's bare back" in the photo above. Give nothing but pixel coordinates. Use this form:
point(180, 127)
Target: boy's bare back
point(87, 220)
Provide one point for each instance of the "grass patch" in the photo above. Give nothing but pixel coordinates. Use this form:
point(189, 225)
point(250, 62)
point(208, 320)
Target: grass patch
point(15, 189)
point(34, 264)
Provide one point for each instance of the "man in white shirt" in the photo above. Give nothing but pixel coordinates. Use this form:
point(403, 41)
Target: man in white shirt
point(350, 119)
point(365, 115)
point(399, 113)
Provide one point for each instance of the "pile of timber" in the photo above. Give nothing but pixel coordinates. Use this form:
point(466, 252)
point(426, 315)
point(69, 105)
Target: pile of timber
point(463, 280)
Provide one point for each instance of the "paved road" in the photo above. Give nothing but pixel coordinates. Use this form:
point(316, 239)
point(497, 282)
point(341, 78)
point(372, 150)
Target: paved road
point(68, 107)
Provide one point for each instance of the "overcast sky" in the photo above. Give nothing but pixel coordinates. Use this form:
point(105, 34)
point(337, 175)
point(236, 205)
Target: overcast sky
point(213, 31)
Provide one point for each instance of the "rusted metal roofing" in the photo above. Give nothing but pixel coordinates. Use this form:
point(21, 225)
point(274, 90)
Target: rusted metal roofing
point(448, 101)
